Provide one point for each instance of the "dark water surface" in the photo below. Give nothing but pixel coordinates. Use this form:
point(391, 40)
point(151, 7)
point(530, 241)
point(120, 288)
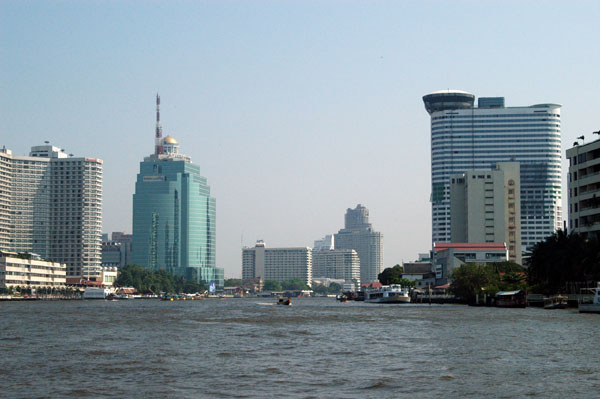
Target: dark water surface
point(317, 348)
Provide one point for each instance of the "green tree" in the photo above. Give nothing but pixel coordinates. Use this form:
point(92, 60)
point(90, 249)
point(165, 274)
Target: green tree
point(390, 275)
point(470, 279)
point(294, 284)
point(272, 285)
point(563, 258)
point(233, 282)
point(320, 289)
point(334, 288)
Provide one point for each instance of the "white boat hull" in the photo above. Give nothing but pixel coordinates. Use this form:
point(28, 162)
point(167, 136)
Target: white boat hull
point(589, 308)
point(397, 299)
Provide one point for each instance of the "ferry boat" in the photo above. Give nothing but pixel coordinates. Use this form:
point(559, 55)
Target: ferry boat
point(594, 307)
point(388, 294)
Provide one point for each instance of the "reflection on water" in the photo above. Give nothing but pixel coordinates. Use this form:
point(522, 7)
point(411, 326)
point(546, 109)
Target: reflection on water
point(316, 348)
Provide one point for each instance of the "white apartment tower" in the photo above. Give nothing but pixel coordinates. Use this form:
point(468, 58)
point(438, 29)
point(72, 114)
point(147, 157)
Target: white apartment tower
point(278, 264)
point(485, 207)
point(465, 137)
point(53, 205)
point(336, 264)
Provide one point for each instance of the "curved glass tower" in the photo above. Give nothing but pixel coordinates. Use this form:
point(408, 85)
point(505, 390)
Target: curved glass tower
point(174, 216)
point(465, 137)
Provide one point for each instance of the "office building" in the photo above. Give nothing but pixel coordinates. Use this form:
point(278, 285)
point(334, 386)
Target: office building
point(116, 251)
point(336, 264)
point(174, 215)
point(358, 235)
point(277, 264)
point(485, 207)
point(584, 189)
point(465, 137)
point(53, 204)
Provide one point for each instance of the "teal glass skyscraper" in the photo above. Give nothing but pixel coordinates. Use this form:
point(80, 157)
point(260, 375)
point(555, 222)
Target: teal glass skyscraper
point(174, 215)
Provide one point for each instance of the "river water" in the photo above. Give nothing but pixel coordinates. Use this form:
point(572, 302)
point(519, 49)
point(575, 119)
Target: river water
point(316, 348)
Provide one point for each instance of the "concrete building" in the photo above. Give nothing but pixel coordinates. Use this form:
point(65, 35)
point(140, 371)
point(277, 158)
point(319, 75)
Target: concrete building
point(449, 255)
point(53, 204)
point(30, 271)
point(464, 137)
point(336, 264)
point(358, 234)
point(278, 264)
point(485, 206)
point(116, 251)
point(326, 242)
point(174, 215)
point(415, 271)
point(584, 189)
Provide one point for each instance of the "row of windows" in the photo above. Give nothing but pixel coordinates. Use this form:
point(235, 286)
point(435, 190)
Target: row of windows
point(476, 116)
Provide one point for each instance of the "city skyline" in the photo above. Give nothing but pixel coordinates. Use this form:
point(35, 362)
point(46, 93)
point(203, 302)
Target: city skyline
point(294, 111)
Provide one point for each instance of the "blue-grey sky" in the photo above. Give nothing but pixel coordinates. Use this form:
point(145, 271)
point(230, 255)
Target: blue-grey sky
point(294, 110)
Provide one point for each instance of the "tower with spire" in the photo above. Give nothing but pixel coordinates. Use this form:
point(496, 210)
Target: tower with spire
point(166, 148)
point(158, 149)
point(174, 214)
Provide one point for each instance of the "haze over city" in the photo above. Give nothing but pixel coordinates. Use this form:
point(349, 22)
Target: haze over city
point(293, 110)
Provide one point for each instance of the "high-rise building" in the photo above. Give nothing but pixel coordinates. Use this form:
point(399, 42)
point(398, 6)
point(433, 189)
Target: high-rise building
point(116, 251)
point(336, 264)
point(485, 207)
point(277, 264)
point(324, 243)
point(358, 235)
point(584, 183)
point(53, 203)
point(174, 215)
point(465, 137)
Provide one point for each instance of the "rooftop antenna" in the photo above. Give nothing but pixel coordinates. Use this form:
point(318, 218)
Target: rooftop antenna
point(158, 149)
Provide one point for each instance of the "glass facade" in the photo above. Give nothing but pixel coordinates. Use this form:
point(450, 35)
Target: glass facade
point(174, 220)
point(477, 138)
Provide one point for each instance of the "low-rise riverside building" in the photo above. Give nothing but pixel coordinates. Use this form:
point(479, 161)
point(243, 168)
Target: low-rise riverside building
point(415, 271)
point(30, 271)
point(450, 255)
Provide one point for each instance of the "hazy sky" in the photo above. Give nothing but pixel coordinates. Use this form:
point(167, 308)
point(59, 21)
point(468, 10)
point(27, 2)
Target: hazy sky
point(294, 110)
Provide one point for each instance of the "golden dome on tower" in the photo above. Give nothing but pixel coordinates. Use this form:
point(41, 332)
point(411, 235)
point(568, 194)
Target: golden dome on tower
point(170, 140)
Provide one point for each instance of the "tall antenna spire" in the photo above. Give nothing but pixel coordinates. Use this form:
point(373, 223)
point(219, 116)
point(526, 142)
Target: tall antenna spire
point(158, 149)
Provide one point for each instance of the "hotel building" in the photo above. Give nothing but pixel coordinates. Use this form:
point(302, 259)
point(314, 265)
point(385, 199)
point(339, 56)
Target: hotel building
point(53, 205)
point(278, 264)
point(341, 264)
point(465, 137)
point(30, 271)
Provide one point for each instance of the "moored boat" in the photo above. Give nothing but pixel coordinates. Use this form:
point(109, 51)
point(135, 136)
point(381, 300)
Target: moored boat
point(555, 302)
point(388, 294)
point(594, 306)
